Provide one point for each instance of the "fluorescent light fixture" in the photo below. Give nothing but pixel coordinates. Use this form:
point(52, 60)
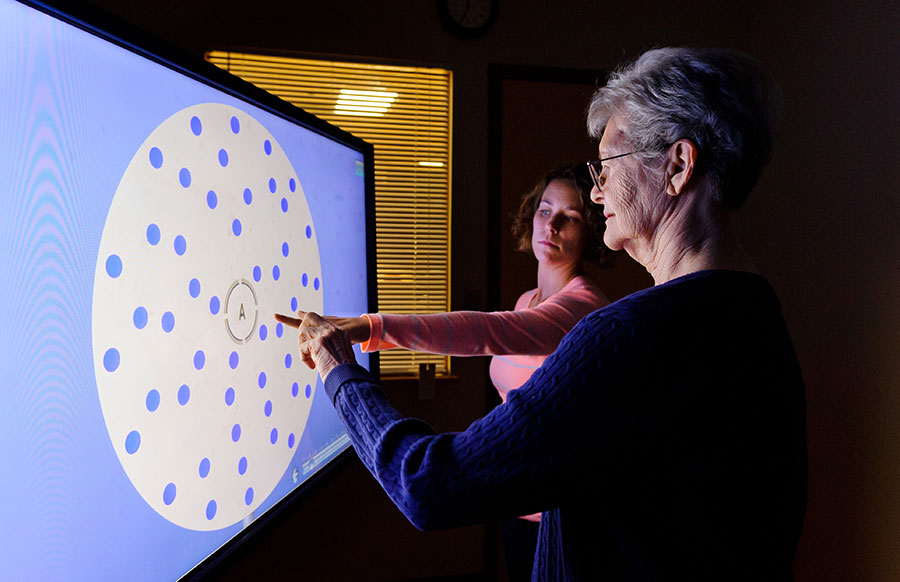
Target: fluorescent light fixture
point(432, 164)
point(364, 103)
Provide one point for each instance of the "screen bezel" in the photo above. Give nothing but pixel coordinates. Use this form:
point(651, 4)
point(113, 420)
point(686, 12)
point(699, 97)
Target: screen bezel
point(119, 32)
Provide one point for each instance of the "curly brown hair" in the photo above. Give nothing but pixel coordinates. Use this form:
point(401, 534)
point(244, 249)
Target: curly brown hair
point(577, 175)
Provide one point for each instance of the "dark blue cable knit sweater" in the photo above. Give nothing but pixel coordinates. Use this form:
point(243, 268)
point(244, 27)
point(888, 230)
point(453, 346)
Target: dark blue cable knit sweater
point(664, 439)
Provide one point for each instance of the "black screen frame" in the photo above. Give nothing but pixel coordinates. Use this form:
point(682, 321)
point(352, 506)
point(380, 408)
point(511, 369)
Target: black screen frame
point(119, 32)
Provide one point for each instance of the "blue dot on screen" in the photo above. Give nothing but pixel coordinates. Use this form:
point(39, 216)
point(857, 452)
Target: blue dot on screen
point(304, 280)
point(279, 329)
point(293, 304)
point(285, 249)
point(153, 234)
point(308, 231)
point(180, 245)
point(272, 185)
point(156, 158)
point(257, 273)
point(229, 396)
point(284, 205)
point(291, 439)
point(236, 433)
point(248, 496)
point(295, 389)
point(262, 380)
point(292, 184)
point(242, 465)
point(308, 390)
point(204, 468)
point(273, 436)
point(214, 305)
point(153, 400)
point(184, 177)
point(211, 509)
point(196, 126)
point(267, 146)
point(140, 318)
point(248, 196)
point(168, 321)
point(211, 199)
point(132, 442)
point(194, 288)
point(235, 125)
point(267, 409)
point(169, 494)
point(233, 360)
point(184, 394)
point(199, 359)
point(287, 360)
point(236, 227)
point(113, 266)
point(316, 283)
point(263, 332)
point(223, 157)
point(111, 360)
point(276, 272)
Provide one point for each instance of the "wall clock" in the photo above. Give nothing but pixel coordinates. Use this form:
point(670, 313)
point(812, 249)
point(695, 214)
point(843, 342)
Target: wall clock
point(468, 18)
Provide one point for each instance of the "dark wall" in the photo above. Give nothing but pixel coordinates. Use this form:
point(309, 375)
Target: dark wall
point(822, 225)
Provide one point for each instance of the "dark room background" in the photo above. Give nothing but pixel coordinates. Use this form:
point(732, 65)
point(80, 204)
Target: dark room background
point(822, 226)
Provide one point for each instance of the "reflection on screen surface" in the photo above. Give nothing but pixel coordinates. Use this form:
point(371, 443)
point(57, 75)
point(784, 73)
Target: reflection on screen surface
point(151, 225)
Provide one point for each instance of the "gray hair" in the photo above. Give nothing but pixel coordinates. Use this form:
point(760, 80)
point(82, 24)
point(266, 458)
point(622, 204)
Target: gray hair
point(723, 101)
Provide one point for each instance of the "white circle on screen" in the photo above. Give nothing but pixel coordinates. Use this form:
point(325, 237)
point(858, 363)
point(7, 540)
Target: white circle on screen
point(208, 236)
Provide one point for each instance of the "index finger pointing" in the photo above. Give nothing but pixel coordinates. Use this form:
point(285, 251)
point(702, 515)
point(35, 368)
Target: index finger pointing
point(288, 320)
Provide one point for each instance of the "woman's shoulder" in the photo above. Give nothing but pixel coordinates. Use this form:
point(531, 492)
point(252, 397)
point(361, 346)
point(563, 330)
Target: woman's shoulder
point(695, 293)
point(524, 300)
point(583, 287)
point(579, 290)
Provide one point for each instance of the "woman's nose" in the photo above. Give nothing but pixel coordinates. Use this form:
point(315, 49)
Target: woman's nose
point(596, 195)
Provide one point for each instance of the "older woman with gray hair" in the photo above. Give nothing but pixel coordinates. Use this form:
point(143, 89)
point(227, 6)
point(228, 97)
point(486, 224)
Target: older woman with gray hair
point(665, 438)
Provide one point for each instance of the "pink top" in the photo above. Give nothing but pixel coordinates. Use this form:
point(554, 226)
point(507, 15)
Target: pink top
point(519, 340)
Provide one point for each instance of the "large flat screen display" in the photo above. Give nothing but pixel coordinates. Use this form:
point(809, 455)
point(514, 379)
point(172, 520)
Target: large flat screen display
point(154, 214)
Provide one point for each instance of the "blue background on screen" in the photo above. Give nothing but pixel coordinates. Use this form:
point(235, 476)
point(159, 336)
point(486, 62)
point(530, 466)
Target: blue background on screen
point(73, 111)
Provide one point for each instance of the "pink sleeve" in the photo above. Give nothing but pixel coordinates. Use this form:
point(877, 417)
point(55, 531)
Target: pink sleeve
point(531, 331)
point(376, 331)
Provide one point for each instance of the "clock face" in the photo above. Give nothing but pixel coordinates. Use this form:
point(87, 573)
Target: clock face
point(469, 17)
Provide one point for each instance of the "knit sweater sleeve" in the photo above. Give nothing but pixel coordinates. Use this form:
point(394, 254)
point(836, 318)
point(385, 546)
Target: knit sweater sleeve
point(534, 331)
point(508, 463)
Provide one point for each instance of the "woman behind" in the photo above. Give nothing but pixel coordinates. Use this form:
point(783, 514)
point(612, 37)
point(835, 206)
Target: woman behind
point(558, 223)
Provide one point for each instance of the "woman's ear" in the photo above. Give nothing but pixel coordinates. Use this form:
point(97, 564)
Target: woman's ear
point(681, 161)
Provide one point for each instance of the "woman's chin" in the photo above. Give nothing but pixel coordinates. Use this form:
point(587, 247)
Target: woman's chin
point(613, 243)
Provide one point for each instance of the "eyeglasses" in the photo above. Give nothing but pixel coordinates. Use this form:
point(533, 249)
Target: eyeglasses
point(595, 168)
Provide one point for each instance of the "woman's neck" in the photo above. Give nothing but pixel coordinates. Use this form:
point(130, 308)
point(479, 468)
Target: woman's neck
point(691, 241)
point(552, 278)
